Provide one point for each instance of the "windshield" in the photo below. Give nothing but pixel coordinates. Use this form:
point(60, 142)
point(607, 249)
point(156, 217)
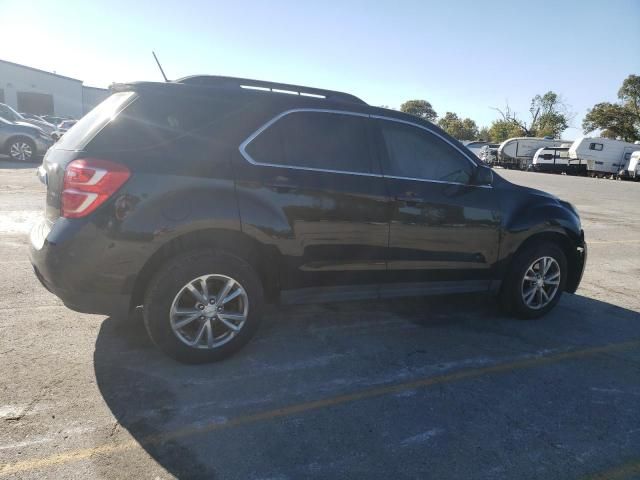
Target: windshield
point(9, 113)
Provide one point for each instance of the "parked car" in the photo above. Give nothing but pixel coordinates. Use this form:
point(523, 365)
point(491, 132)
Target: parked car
point(475, 146)
point(603, 156)
point(23, 142)
point(52, 119)
point(11, 115)
point(62, 128)
point(31, 116)
point(489, 154)
point(204, 198)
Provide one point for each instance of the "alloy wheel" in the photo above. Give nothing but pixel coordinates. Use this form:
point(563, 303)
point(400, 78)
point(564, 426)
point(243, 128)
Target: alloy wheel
point(20, 151)
point(209, 311)
point(540, 283)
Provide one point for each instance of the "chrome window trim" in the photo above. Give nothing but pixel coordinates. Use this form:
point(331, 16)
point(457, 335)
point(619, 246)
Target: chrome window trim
point(254, 135)
point(432, 132)
point(437, 181)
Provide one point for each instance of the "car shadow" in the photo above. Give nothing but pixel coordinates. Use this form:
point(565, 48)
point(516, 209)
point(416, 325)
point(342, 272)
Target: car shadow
point(310, 352)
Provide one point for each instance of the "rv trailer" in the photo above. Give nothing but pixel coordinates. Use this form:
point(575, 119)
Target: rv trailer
point(556, 160)
point(631, 170)
point(518, 152)
point(603, 156)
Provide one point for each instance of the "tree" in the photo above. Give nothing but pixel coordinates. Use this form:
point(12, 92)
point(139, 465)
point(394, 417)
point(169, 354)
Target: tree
point(613, 119)
point(462, 129)
point(419, 108)
point(484, 135)
point(500, 130)
point(617, 119)
point(629, 93)
point(549, 117)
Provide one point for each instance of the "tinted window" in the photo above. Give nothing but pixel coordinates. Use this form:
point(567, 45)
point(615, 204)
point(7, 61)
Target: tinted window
point(82, 132)
point(154, 120)
point(595, 146)
point(328, 141)
point(416, 153)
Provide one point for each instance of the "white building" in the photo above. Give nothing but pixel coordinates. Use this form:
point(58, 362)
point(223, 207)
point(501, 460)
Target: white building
point(35, 91)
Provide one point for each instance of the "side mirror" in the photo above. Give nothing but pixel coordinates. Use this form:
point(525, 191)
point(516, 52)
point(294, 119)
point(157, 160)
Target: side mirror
point(483, 175)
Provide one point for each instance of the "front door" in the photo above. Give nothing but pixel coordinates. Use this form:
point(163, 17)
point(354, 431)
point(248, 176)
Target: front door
point(443, 229)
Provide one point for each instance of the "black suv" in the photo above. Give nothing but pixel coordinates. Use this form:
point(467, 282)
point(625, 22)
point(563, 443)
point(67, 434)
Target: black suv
point(204, 198)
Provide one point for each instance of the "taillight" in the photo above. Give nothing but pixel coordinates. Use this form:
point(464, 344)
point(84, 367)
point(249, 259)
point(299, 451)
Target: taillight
point(88, 183)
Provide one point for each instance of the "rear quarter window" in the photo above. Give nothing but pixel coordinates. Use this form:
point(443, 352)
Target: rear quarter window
point(155, 120)
point(88, 126)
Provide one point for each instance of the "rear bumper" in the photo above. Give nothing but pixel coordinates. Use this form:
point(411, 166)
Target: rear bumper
point(60, 271)
point(83, 302)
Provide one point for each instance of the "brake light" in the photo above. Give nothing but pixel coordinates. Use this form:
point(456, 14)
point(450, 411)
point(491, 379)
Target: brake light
point(88, 183)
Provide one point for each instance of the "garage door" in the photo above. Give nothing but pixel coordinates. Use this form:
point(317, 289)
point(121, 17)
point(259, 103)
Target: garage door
point(36, 103)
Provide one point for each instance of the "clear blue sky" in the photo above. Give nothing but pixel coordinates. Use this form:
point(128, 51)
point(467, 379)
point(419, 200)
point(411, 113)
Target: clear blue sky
point(463, 56)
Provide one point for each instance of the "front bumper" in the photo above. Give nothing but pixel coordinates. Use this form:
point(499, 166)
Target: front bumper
point(579, 264)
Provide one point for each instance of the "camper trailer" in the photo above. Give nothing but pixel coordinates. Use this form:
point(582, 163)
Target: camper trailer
point(518, 152)
point(603, 156)
point(631, 170)
point(556, 160)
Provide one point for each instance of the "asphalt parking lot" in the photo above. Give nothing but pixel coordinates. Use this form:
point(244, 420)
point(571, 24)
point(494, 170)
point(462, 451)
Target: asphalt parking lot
point(418, 388)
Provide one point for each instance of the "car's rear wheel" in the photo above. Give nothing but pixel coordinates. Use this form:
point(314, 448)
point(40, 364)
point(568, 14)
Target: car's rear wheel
point(21, 149)
point(203, 306)
point(535, 281)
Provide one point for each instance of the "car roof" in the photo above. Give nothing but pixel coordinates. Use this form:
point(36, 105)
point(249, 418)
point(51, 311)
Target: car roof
point(284, 96)
point(210, 84)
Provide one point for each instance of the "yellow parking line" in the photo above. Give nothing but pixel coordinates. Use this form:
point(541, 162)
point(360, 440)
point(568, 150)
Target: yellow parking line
point(618, 473)
point(76, 455)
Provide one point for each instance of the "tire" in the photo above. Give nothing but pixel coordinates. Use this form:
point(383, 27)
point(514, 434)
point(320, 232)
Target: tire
point(168, 289)
point(19, 147)
point(515, 286)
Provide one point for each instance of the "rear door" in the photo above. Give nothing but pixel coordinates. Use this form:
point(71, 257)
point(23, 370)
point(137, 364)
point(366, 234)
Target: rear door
point(442, 228)
point(307, 185)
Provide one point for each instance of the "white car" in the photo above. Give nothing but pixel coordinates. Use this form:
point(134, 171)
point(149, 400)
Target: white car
point(62, 128)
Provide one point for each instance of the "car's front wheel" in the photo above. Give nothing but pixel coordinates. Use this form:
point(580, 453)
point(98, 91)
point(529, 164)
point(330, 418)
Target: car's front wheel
point(203, 306)
point(535, 281)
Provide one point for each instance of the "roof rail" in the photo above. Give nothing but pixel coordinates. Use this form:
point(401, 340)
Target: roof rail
point(218, 81)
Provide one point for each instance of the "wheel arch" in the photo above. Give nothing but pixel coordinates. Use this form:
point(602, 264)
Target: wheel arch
point(13, 138)
point(263, 258)
point(563, 240)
